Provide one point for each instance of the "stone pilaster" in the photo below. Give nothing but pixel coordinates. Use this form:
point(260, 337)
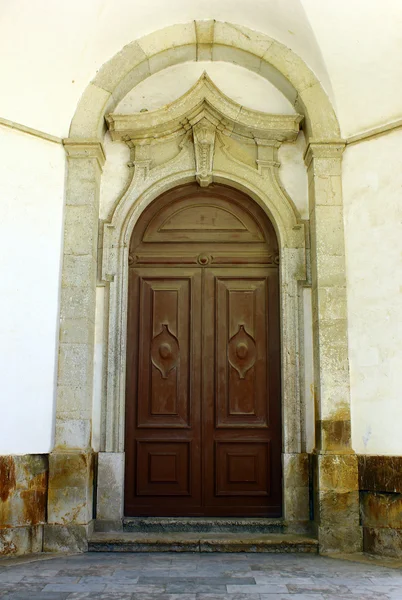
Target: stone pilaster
point(336, 473)
point(71, 462)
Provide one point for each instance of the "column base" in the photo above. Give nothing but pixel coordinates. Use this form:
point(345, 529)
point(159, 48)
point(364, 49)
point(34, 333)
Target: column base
point(66, 538)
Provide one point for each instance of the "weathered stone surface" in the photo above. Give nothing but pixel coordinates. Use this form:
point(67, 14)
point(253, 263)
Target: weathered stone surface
point(65, 538)
point(23, 489)
point(201, 542)
point(23, 495)
point(70, 488)
point(384, 541)
point(380, 473)
point(21, 540)
point(381, 510)
point(110, 486)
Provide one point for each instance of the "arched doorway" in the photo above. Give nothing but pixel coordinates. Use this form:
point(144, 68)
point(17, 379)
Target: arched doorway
point(203, 399)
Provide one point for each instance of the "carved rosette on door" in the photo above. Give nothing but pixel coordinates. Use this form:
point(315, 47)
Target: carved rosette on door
point(165, 351)
point(242, 352)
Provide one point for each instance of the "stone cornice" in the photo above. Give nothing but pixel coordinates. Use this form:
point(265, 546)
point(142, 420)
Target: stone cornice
point(204, 100)
point(318, 149)
point(85, 148)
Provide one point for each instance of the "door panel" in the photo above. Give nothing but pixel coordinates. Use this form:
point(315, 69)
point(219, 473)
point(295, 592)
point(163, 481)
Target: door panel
point(163, 419)
point(242, 447)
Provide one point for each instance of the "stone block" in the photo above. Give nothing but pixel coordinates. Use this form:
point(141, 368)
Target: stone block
point(88, 121)
point(337, 472)
point(131, 80)
point(328, 230)
point(383, 541)
point(327, 270)
point(325, 123)
point(238, 57)
point(78, 303)
point(327, 191)
point(70, 488)
point(331, 303)
point(334, 435)
point(72, 401)
point(73, 433)
point(77, 331)
point(122, 63)
point(110, 486)
point(79, 271)
point(169, 37)
point(380, 473)
point(83, 182)
point(23, 490)
point(15, 541)
point(172, 56)
point(71, 469)
point(65, 538)
point(204, 32)
point(81, 230)
point(242, 38)
point(381, 510)
point(75, 364)
point(290, 65)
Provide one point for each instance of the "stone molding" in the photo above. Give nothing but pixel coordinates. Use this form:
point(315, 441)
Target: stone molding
point(256, 172)
point(206, 40)
point(89, 148)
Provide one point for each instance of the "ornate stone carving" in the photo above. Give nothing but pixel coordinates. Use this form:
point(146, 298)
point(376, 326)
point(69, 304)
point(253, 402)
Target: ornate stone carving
point(204, 147)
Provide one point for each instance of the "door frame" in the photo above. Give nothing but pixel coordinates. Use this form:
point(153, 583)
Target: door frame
point(290, 231)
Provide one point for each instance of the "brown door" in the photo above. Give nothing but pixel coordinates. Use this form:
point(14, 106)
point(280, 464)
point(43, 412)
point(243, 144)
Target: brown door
point(203, 427)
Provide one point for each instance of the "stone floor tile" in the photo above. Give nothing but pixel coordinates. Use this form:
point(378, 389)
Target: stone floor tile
point(318, 588)
point(34, 596)
point(194, 588)
point(257, 589)
point(74, 587)
point(7, 577)
point(228, 597)
point(98, 596)
point(134, 587)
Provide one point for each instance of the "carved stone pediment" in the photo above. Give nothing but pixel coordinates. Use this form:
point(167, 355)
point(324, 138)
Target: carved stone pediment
point(204, 147)
point(201, 114)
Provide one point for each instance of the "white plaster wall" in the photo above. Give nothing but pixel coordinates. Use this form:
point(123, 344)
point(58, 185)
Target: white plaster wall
point(361, 43)
point(32, 184)
point(54, 48)
point(373, 222)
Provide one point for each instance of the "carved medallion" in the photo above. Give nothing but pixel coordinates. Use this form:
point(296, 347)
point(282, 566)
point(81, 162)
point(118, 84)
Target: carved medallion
point(242, 352)
point(165, 351)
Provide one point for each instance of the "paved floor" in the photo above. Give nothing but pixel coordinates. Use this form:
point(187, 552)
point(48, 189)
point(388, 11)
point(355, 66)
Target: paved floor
point(169, 576)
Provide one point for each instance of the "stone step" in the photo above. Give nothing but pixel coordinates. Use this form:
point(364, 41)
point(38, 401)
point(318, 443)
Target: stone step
point(201, 542)
point(203, 525)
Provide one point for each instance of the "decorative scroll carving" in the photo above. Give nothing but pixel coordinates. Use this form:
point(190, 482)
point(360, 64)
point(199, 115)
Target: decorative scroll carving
point(165, 351)
point(242, 352)
point(204, 147)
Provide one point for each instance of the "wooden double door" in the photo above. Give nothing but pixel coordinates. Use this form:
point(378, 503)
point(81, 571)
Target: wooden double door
point(203, 423)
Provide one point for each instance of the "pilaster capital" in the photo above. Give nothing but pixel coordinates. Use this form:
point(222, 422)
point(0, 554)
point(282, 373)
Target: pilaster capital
point(332, 149)
point(85, 148)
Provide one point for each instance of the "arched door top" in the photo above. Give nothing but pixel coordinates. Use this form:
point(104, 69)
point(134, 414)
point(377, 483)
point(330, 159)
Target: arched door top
point(218, 221)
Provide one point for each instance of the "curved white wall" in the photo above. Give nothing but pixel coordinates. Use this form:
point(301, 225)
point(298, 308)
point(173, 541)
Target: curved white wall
point(373, 229)
point(32, 188)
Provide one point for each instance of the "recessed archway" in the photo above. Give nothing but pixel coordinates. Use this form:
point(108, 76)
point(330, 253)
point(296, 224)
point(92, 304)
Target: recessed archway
point(257, 52)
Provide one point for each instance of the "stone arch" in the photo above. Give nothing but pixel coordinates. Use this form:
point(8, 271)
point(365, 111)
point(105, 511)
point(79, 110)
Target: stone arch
point(205, 40)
